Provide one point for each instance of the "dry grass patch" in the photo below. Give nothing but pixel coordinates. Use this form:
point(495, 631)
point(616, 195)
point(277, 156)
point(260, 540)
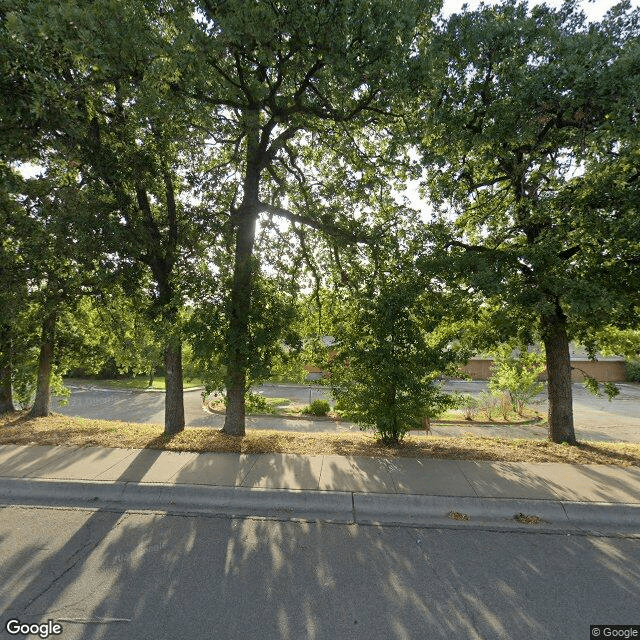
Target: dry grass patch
point(523, 518)
point(456, 515)
point(57, 429)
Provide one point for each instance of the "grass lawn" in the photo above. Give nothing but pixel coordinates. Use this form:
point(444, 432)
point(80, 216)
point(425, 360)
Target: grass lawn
point(456, 416)
point(140, 382)
point(275, 407)
point(17, 428)
point(272, 406)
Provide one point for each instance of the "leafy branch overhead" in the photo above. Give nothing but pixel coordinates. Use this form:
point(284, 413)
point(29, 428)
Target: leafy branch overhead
point(211, 173)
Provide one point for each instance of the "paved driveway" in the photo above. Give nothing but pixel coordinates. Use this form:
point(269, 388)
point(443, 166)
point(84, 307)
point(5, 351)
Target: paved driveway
point(595, 418)
point(148, 406)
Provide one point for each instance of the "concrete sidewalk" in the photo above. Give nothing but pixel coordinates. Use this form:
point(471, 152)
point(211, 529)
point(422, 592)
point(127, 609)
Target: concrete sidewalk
point(413, 491)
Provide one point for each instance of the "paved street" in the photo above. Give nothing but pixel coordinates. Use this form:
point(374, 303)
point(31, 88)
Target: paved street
point(140, 543)
point(111, 575)
point(595, 418)
point(144, 406)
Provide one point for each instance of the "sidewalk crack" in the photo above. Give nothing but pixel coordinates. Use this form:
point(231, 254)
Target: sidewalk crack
point(387, 463)
point(249, 470)
point(320, 474)
point(464, 475)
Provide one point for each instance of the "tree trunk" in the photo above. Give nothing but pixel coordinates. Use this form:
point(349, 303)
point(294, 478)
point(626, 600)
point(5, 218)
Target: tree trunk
point(6, 397)
point(173, 399)
point(173, 396)
point(556, 344)
point(40, 407)
point(238, 333)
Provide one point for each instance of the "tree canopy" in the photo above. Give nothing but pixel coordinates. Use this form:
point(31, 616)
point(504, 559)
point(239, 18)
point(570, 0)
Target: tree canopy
point(209, 165)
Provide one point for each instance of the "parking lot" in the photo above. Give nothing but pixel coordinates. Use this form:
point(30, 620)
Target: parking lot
point(595, 418)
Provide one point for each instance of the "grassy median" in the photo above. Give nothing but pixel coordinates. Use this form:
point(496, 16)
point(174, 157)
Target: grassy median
point(18, 428)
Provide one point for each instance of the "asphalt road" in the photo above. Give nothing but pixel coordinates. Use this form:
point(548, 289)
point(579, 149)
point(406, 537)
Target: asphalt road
point(111, 575)
point(595, 418)
point(144, 406)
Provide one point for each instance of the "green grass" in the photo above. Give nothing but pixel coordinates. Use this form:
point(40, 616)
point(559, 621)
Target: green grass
point(140, 382)
point(277, 402)
point(263, 404)
point(457, 415)
point(257, 405)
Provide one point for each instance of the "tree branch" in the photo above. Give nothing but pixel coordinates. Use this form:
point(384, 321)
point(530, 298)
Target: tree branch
point(325, 226)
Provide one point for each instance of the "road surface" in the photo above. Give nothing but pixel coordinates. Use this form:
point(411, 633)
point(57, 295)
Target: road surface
point(112, 575)
point(595, 418)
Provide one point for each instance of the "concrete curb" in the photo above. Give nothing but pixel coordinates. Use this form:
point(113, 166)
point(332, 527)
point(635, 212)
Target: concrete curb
point(327, 506)
point(419, 510)
point(603, 514)
point(553, 515)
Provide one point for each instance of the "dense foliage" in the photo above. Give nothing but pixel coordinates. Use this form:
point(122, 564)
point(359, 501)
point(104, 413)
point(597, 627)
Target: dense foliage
point(228, 180)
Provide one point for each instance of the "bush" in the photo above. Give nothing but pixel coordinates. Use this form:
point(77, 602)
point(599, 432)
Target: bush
point(391, 348)
point(317, 408)
point(255, 403)
point(469, 406)
point(517, 376)
point(633, 370)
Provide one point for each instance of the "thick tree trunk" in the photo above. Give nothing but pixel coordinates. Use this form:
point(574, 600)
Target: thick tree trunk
point(6, 397)
point(173, 399)
point(41, 403)
point(238, 332)
point(556, 344)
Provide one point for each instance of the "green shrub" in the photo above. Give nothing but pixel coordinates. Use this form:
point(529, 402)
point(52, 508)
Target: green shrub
point(633, 370)
point(391, 348)
point(469, 406)
point(255, 403)
point(517, 376)
point(317, 408)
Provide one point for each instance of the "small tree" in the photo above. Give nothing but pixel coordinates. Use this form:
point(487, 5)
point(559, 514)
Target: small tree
point(469, 405)
point(392, 345)
point(517, 375)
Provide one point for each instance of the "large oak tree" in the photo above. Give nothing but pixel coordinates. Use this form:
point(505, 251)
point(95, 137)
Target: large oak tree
point(273, 73)
point(531, 105)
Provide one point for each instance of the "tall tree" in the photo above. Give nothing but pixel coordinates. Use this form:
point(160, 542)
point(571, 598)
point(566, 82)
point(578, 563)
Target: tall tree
point(272, 73)
point(132, 141)
point(527, 102)
point(48, 259)
point(13, 286)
